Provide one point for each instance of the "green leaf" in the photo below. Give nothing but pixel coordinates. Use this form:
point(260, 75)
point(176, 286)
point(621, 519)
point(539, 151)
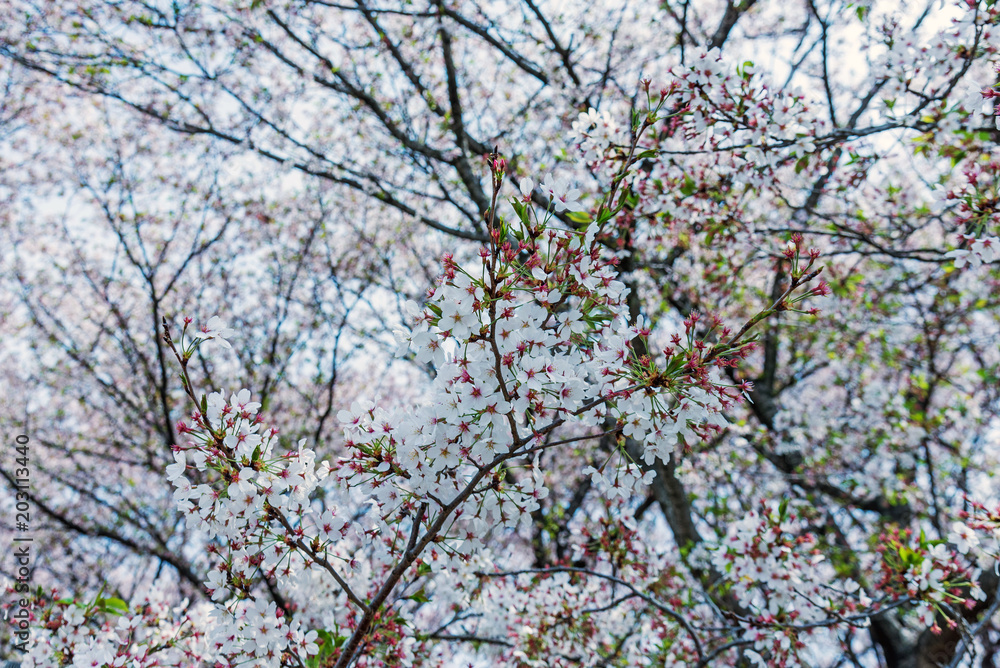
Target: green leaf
point(581, 217)
point(521, 210)
point(327, 643)
point(112, 606)
point(689, 186)
point(908, 557)
point(420, 596)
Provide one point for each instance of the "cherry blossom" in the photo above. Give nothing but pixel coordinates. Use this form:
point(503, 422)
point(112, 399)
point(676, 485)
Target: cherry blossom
point(216, 330)
point(564, 197)
point(558, 467)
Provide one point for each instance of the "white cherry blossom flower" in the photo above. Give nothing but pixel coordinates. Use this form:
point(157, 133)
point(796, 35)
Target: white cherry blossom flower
point(176, 470)
point(962, 537)
point(563, 195)
point(526, 187)
point(216, 330)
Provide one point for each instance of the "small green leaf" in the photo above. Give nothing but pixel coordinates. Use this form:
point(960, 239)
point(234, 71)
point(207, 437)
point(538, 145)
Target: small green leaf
point(112, 606)
point(689, 186)
point(420, 596)
point(327, 643)
point(521, 210)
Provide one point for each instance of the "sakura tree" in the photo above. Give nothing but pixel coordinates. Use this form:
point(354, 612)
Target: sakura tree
point(695, 331)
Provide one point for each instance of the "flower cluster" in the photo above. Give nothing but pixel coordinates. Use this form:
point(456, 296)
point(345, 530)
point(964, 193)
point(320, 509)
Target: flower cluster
point(537, 342)
point(253, 505)
point(259, 510)
point(975, 205)
point(147, 631)
point(934, 577)
point(980, 99)
point(533, 349)
point(979, 251)
point(738, 111)
point(597, 135)
point(778, 576)
point(977, 535)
